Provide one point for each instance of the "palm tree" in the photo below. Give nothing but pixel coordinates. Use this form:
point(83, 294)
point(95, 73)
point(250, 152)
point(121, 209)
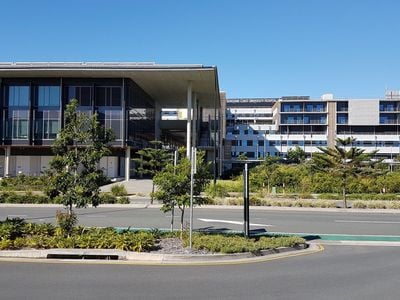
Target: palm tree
point(345, 162)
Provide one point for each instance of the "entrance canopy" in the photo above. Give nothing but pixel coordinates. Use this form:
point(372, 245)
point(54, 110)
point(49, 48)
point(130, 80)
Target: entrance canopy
point(166, 84)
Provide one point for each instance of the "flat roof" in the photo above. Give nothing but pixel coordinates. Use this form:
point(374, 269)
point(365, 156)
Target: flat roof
point(165, 83)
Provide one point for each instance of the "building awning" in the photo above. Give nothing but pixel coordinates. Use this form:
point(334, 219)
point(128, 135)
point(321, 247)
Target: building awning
point(166, 84)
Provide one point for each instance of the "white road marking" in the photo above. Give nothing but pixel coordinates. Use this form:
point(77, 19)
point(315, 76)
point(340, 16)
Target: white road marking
point(366, 221)
point(233, 222)
point(16, 216)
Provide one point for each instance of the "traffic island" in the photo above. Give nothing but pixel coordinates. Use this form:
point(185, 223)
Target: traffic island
point(130, 257)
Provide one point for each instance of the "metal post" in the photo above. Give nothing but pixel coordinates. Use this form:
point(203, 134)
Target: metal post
point(192, 172)
point(127, 163)
point(173, 201)
point(246, 201)
point(189, 119)
point(7, 161)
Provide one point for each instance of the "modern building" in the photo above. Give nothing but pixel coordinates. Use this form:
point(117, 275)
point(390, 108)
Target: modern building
point(128, 98)
point(272, 126)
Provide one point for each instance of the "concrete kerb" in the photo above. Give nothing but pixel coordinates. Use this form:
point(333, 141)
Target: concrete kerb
point(237, 207)
point(159, 259)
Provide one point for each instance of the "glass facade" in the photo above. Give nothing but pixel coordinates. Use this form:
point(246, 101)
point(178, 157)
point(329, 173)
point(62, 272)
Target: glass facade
point(47, 112)
point(16, 113)
point(140, 115)
point(108, 103)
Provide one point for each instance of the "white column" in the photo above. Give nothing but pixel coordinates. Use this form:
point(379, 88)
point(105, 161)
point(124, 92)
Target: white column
point(7, 161)
point(189, 119)
point(127, 163)
point(157, 118)
point(194, 123)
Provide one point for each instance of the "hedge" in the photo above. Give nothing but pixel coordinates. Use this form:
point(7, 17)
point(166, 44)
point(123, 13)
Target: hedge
point(235, 244)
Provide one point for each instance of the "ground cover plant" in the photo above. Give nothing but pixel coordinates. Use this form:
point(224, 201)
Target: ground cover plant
point(30, 198)
point(23, 183)
point(236, 244)
point(17, 234)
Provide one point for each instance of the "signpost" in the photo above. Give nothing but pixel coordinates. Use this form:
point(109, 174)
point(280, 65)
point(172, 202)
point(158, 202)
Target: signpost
point(246, 201)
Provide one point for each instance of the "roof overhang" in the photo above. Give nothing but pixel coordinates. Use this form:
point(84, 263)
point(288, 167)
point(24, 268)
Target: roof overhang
point(166, 84)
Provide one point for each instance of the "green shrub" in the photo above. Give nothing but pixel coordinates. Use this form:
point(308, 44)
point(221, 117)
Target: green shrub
point(6, 244)
point(376, 204)
point(19, 243)
point(12, 197)
point(255, 201)
point(305, 196)
point(325, 204)
point(107, 198)
point(235, 201)
point(38, 242)
point(393, 205)
point(217, 190)
point(359, 204)
point(236, 244)
point(23, 183)
point(118, 190)
point(10, 229)
point(66, 222)
point(328, 196)
point(123, 200)
point(39, 229)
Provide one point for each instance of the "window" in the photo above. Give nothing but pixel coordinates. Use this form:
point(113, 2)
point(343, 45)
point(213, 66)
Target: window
point(108, 96)
point(19, 124)
point(249, 143)
point(47, 124)
point(341, 119)
point(250, 154)
point(255, 132)
point(48, 96)
point(82, 93)
point(18, 96)
point(246, 131)
point(112, 119)
point(261, 143)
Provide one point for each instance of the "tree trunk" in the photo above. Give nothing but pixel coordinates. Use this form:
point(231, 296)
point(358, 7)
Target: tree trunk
point(182, 214)
point(344, 197)
point(172, 217)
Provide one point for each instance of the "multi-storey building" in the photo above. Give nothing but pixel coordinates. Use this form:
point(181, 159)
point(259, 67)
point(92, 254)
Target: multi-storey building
point(271, 127)
point(128, 98)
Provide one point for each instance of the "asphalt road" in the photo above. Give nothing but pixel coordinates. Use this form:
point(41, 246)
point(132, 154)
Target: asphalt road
point(337, 273)
point(342, 222)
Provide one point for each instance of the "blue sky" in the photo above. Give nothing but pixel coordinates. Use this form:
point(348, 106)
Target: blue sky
point(261, 48)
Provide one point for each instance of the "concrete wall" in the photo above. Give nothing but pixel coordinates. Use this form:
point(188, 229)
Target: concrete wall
point(364, 112)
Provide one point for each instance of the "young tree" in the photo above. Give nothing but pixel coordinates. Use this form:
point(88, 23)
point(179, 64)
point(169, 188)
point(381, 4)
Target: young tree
point(152, 160)
point(296, 155)
point(173, 184)
point(345, 161)
point(73, 174)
